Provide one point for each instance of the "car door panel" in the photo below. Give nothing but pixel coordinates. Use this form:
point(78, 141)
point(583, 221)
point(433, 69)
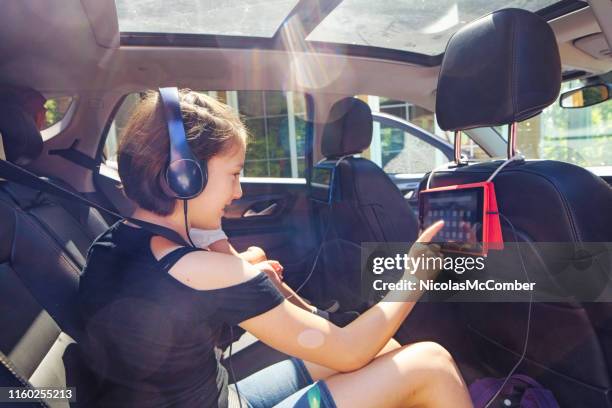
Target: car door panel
point(275, 216)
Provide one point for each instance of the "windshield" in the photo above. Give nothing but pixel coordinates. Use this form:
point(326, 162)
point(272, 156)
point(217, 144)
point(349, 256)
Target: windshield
point(580, 136)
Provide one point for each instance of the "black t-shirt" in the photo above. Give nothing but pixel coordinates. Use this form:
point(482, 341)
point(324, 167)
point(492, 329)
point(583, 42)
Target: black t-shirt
point(151, 339)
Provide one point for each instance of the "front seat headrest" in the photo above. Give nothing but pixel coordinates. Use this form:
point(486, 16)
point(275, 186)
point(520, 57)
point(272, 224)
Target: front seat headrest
point(502, 68)
point(21, 138)
point(348, 129)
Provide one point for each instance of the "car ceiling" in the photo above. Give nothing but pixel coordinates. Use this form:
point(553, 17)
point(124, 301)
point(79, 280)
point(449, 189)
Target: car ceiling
point(73, 46)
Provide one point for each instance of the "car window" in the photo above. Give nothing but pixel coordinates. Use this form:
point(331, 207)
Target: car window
point(399, 151)
point(581, 136)
point(56, 108)
point(276, 122)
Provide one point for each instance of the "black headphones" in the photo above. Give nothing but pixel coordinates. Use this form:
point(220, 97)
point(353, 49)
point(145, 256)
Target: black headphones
point(185, 175)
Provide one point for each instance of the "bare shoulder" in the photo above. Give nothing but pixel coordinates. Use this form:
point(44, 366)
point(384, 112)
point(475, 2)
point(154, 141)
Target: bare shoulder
point(204, 270)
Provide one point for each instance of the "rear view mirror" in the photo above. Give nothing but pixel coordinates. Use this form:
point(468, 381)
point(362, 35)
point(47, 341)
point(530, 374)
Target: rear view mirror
point(585, 96)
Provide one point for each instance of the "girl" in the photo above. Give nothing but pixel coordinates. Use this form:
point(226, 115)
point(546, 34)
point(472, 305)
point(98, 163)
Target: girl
point(152, 309)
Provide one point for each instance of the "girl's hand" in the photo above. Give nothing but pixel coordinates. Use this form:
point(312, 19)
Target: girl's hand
point(423, 248)
point(255, 255)
point(273, 269)
point(278, 268)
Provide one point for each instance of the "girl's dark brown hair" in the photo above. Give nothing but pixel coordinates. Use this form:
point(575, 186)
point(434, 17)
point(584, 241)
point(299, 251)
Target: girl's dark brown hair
point(211, 127)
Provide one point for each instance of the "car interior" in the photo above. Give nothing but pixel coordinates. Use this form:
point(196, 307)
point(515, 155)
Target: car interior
point(329, 63)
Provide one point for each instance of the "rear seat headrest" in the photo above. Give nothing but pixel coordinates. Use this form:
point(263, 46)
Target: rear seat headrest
point(502, 68)
point(22, 140)
point(348, 129)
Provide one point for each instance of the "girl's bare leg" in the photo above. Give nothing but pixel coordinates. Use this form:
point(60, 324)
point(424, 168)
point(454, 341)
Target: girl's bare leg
point(416, 375)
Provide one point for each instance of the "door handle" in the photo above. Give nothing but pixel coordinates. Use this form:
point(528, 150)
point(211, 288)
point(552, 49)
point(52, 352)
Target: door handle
point(269, 210)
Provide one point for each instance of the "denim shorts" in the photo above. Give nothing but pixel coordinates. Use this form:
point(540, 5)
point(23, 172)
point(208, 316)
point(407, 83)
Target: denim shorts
point(286, 384)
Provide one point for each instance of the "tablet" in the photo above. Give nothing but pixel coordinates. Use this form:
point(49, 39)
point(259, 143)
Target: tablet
point(322, 181)
point(462, 212)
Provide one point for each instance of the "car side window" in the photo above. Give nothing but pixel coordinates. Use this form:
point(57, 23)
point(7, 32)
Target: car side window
point(397, 151)
point(407, 140)
point(58, 112)
point(55, 110)
point(276, 122)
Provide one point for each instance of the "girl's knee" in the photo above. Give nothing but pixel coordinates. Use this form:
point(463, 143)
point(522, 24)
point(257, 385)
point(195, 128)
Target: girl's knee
point(431, 350)
point(429, 358)
point(438, 351)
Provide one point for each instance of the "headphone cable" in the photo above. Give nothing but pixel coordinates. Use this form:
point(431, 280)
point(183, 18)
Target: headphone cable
point(231, 367)
point(186, 223)
point(316, 258)
point(330, 204)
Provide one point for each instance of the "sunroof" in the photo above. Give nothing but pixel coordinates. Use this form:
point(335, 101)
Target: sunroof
point(252, 18)
point(418, 26)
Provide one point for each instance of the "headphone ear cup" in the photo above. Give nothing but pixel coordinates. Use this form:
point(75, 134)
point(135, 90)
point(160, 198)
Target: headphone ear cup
point(186, 178)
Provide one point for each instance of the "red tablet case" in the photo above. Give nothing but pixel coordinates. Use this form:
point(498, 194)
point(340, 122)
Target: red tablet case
point(491, 228)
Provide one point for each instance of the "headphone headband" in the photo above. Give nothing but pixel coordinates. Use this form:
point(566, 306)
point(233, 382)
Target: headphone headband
point(185, 175)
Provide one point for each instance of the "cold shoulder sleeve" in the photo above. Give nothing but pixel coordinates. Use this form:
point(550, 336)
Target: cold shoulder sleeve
point(232, 304)
point(235, 304)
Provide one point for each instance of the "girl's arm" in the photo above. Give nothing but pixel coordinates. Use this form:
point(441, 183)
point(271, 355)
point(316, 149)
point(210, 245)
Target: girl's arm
point(304, 334)
point(252, 255)
point(311, 338)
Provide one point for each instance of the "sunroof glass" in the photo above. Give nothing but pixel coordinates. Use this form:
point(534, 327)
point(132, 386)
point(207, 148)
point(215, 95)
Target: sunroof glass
point(410, 25)
point(252, 18)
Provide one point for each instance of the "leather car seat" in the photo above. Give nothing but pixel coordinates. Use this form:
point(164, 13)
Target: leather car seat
point(43, 244)
point(367, 206)
point(500, 69)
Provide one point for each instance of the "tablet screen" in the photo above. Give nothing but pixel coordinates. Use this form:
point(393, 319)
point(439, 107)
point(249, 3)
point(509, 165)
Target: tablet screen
point(320, 184)
point(462, 212)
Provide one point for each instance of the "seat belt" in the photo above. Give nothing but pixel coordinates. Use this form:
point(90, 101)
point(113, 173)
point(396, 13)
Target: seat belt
point(9, 367)
point(12, 172)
